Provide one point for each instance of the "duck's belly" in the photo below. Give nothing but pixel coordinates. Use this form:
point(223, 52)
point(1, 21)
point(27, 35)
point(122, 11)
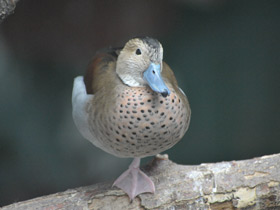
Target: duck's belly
point(142, 123)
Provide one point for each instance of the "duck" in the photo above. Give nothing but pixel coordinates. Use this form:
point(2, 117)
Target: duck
point(129, 104)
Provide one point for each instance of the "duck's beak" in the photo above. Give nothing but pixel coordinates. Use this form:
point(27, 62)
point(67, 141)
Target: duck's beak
point(153, 77)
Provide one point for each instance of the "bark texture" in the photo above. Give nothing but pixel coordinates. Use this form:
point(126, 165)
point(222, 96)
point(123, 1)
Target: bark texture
point(246, 184)
point(7, 7)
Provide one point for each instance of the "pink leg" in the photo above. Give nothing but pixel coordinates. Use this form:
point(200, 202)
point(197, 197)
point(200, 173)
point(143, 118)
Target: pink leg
point(134, 182)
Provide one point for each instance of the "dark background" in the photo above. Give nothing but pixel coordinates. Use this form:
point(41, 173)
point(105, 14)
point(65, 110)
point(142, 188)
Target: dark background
point(225, 55)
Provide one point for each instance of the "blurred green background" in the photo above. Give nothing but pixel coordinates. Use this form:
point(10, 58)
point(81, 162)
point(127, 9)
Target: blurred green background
point(225, 54)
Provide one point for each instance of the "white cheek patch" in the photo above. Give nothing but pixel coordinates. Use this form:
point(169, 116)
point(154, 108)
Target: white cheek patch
point(130, 81)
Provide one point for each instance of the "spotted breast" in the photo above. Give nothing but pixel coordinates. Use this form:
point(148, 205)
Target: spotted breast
point(139, 122)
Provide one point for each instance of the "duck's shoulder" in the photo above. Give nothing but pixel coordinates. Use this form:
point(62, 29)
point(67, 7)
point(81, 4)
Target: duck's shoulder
point(170, 79)
point(101, 69)
point(168, 74)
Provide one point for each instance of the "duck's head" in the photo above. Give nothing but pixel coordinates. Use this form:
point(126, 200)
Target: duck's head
point(140, 64)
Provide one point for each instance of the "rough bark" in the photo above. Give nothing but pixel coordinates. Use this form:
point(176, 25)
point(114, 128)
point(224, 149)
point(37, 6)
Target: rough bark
point(7, 7)
point(247, 184)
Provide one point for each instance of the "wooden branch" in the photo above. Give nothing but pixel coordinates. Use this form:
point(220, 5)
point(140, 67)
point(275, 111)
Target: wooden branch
point(7, 7)
point(247, 184)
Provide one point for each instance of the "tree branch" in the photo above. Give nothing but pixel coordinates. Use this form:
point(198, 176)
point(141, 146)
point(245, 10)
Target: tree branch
point(246, 184)
point(7, 7)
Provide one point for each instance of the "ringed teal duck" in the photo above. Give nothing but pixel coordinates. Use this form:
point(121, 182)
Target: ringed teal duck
point(129, 105)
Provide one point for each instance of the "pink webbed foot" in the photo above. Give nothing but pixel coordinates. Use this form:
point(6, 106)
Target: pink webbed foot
point(134, 182)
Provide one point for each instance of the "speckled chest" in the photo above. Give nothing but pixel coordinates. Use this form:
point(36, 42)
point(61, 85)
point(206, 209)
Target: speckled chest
point(142, 123)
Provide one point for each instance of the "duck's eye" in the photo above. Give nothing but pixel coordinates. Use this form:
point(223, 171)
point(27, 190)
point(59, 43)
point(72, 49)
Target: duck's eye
point(138, 52)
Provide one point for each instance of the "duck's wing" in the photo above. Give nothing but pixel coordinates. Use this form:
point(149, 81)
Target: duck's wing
point(84, 89)
point(102, 62)
point(80, 104)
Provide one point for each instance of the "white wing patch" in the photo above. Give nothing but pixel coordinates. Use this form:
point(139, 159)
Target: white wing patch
point(182, 91)
point(80, 99)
